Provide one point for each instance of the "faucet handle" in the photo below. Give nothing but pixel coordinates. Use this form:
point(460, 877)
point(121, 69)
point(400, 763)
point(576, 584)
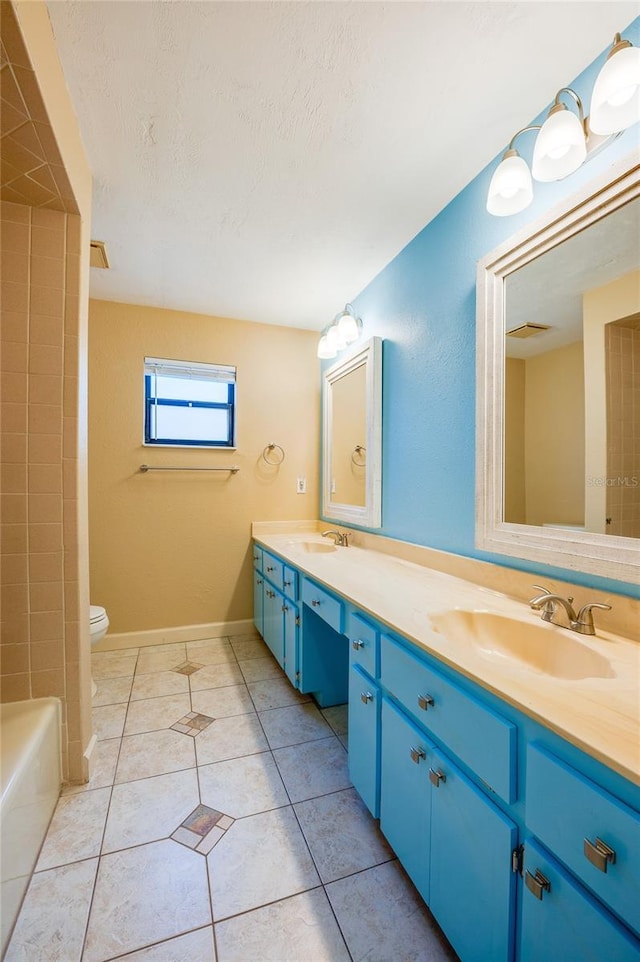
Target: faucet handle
point(549, 607)
point(585, 617)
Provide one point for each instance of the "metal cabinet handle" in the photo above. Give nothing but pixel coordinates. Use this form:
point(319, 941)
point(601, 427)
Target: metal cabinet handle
point(599, 854)
point(537, 884)
point(357, 644)
point(417, 754)
point(256, 557)
point(316, 604)
point(258, 581)
point(287, 584)
point(424, 701)
point(366, 696)
point(285, 607)
point(436, 776)
point(270, 568)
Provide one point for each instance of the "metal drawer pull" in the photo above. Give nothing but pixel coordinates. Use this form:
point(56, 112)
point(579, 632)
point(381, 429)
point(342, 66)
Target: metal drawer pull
point(366, 696)
point(358, 643)
point(537, 884)
point(287, 584)
point(270, 568)
point(435, 777)
point(424, 701)
point(285, 607)
point(259, 581)
point(599, 854)
point(417, 754)
point(316, 604)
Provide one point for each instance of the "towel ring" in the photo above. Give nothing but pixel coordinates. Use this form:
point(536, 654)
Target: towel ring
point(270, 448)
point(360, 451)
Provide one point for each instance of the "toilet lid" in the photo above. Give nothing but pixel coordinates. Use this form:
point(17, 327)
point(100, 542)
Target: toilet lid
point(96, 613)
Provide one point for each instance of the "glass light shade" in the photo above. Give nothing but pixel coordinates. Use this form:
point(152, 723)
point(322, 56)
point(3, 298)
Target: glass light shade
point(325, 350)
point(511, 189)
point(615, 101)
point(560, 146)
point(348, 327)
point(335, 338)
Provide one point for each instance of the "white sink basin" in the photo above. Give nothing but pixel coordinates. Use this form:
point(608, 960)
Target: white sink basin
point(540, 647)
point(317, 547)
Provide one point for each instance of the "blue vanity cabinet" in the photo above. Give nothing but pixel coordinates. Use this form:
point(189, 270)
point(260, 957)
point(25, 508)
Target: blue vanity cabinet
point(364, 749)
point(454, 843)
point(275, 609)
point(472, 886)
point(561, 920)
point(405, 793)
point(323, 655)
point(291, 641)
point(364, 709)
point(258, 600)
point(272, 620)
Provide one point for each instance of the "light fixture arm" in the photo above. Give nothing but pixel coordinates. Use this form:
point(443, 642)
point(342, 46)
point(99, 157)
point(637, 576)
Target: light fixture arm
point(522, 130)
point(557, 102)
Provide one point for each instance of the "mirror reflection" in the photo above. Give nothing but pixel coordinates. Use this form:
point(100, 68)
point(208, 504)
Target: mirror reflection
point(572, 382)
point(352, 436)
point(348, 437)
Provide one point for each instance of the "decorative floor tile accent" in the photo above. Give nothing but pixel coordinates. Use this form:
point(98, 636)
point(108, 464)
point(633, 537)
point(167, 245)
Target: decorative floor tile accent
point(187, 668)
point(202, 829)
point(192, 723)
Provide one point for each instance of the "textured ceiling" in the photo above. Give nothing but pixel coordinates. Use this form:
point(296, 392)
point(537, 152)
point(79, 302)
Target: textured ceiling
point(266, 160)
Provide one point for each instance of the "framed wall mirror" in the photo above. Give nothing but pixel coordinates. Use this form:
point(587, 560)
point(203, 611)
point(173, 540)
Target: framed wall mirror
point(352, 437)
point(558, 405)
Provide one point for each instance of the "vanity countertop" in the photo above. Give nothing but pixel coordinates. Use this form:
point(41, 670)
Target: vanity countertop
point(599, 715)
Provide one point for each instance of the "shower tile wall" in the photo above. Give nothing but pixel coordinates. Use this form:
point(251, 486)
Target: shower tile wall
point(623, 427)
point(39, 388)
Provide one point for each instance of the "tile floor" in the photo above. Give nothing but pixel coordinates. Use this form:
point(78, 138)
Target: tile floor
point(219, 826)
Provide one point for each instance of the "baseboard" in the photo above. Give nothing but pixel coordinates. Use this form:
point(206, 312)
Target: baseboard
point(113, 641)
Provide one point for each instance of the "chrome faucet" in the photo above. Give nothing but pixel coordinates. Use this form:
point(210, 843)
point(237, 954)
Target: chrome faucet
point(582, 622)
point(339, 537)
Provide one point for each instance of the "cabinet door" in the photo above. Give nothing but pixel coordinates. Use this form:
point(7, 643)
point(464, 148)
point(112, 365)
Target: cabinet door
point(473, 886)
point(566, 923)
point(364, 715)
point(291, 635)
point(405, 793)
point(258, 602)
point(273, 623)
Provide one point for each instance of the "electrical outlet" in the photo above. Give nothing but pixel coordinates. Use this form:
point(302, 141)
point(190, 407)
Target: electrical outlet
point(301, 486)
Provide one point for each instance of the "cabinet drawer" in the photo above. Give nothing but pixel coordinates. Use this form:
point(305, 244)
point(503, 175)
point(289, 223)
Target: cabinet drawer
point(272, 569)
point(325, 605)
point(290, 582)
point(364, 639)
point(568, 812)
point(480, 738)
point(257, 557)
point(566, 923)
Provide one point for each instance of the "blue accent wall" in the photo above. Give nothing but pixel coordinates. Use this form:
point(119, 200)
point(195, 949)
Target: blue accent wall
point(423, 304)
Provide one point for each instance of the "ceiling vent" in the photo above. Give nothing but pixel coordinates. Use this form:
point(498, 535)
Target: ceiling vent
point(528, 330)
point(98, 255)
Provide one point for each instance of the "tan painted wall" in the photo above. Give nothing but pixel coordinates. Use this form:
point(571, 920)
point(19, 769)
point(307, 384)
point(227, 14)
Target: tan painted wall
point(171, 549)
point(554, 436)
point(514, 487)
point(45, 262)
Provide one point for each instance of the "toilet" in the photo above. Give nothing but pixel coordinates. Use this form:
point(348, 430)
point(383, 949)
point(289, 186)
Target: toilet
point(98, 626)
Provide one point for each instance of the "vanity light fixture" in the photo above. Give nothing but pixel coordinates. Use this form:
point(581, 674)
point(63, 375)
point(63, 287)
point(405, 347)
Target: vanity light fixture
point(566, 140)
point(344, 329)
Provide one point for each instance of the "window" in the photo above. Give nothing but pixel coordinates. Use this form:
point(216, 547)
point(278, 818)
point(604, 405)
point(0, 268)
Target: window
point(189, 404)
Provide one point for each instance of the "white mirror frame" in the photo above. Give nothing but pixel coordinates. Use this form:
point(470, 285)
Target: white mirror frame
point(607, 555)
point(370, 515)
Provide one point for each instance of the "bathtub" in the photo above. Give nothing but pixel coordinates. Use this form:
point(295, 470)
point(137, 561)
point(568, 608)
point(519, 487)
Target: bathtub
point(31, 777)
